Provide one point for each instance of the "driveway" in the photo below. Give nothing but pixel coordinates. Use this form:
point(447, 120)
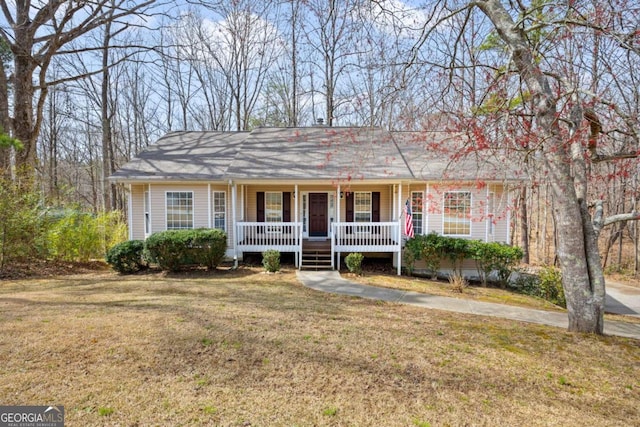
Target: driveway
point(622, 299)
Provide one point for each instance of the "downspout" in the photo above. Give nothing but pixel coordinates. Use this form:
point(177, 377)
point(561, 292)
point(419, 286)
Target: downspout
point(399, 229)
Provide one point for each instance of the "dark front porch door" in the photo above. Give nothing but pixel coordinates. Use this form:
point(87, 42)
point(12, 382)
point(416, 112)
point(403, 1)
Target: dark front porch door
point(318, 214)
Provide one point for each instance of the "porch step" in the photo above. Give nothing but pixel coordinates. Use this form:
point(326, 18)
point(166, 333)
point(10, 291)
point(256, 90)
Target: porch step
point(316, 259)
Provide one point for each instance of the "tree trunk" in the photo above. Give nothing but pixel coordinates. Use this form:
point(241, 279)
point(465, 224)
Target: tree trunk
point(524, 225)
point(577, 250)
point(23, 126)
point(108, 199)
point(5, 121)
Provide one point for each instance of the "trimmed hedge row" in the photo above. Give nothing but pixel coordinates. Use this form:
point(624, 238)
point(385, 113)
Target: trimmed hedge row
point(490, 257)
point(171, 250)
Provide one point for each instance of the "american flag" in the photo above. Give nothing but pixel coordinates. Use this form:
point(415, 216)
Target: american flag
point(408, 219)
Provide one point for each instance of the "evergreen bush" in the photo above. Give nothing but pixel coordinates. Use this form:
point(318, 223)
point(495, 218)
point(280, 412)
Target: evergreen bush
point(175, 249)
point(271, 260)
point(494, 257)
point(551, 286)
point(490, 257)
point(547, 284)
point(354, 262)
point(126, 257)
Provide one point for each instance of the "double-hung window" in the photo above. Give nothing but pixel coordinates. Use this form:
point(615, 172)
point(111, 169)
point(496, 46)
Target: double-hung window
point(147, 213)
point(417, 210)
point(457, 213)
point(179, 209)
point(273, 209)
point(220, 210)
point(362, 208)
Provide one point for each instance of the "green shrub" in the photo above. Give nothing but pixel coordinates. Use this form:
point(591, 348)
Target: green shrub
point(456, 250)
point(494, 257)
point(210, 246)
point(80, 236)
point(525, 283)
point(489, 257)
point(432, 252)
point(271, 260)
point(546, 285)
point(409, 260)
point(354, 262)
point(551, 286)
point(174, 249)
point(23, 228)
point(427, 248)
point(126, 257)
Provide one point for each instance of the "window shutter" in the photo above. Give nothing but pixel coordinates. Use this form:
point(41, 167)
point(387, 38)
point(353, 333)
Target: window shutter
point(350, 207)
point(375, 206)
point(260, 206)
point(286, 206)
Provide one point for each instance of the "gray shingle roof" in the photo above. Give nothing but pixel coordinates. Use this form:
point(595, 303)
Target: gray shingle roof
point(184, 156)
point(327, 153)
point(319, 153)
point(442, 155)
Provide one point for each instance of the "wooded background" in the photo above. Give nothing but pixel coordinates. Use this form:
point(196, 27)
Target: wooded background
point(87, 85)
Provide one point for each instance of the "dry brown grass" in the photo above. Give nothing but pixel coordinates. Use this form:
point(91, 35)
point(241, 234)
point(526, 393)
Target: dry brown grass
point(444, 288)
point(246, 348)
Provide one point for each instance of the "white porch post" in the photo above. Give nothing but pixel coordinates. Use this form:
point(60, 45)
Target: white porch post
point(486, 215)
point(508, 190)
point(296, 198)
point(130, 212)
point(338, 219)
point(426, 208)
point(234, 228)
point(209, 205)
point(399, 229)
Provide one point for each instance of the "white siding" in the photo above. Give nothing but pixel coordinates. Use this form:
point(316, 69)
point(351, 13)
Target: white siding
point(136, 221)
point(434, 200)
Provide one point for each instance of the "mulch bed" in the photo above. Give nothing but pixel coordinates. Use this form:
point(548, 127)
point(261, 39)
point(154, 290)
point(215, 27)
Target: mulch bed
point(47, 268)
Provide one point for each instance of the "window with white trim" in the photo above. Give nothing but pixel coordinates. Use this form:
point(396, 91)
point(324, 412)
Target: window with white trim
point(417, 210)
point(147, 213)
point(273, 206)
point(220, 210)
point(362, 206)
point(304, 213)
point(456, 218)
point(179, 209)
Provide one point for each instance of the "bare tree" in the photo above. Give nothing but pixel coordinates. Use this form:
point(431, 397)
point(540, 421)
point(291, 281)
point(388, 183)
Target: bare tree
point(243, 46)
point(36, 32)
point(331, 33)
point(533, 90)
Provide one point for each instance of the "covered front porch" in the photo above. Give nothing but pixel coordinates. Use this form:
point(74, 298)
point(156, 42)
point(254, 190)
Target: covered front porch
point(363, 217)
point(345, 237)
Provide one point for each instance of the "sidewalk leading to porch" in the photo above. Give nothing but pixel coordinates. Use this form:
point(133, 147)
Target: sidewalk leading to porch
point(332, 282)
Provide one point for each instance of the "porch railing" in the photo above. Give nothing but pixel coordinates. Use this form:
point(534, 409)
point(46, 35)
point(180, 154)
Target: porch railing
point(365, 237)
point(260, 236)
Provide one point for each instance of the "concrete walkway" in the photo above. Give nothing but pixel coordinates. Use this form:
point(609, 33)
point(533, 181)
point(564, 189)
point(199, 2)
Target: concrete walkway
point(332, 282)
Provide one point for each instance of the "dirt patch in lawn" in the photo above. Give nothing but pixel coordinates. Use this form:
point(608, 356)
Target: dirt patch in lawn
point(247, 348)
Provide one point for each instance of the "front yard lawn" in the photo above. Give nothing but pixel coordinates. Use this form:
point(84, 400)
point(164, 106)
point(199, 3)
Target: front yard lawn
point(247, 348)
